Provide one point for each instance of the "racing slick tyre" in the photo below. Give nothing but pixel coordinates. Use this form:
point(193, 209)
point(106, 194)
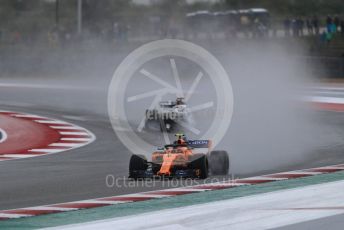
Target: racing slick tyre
point(199, 162)
point(137, 166)
point(219, 162)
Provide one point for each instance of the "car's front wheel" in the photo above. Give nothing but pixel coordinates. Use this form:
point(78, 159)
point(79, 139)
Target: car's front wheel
point(199, 163)
point(219, 162)
point(137, 165)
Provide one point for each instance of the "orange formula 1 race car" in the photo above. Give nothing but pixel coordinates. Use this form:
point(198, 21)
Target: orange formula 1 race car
point(182, 159)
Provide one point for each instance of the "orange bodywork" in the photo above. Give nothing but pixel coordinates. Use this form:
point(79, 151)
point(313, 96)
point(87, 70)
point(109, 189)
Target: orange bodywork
point(172, 157)
point(167, 164)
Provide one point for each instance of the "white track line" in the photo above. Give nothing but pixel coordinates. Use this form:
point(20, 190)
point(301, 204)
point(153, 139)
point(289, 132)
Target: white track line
point(331, 100)
point(46, 150)
point(296, 173)
point(265, 178)
point(66, 127)
point(329, 168)
point(74, 139)
point(28, 116)
point(49, 208)
point(23, 155)
point(65, 144)
point(51, 122)
point(109, 202)
point(74, 133)
point(13, 216)
point(145, 195)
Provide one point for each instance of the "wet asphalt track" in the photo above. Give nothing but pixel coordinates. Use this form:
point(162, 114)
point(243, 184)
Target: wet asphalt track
point(81, 173)
point(72, 175)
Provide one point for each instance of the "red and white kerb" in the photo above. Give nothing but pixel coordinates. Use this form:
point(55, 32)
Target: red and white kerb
point(159, 194)
point(26, 135)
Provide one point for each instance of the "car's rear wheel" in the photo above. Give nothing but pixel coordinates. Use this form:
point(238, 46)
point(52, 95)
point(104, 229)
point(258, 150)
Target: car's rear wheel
point(199, 162)
point(137, 165)
point(219, 162)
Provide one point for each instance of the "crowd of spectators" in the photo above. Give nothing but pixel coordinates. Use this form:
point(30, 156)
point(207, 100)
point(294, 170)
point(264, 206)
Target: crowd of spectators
point(296, 27)
point(314, 26)
point(324, 27)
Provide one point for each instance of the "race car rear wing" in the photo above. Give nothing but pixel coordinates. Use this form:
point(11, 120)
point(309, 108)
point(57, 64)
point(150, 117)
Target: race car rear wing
point(198, 144)
point(195, 144)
